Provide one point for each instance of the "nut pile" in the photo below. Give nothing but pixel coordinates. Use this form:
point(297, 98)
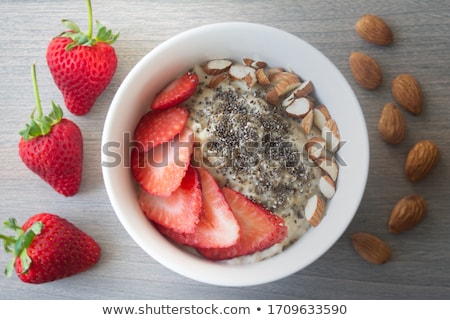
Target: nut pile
point(421, 158)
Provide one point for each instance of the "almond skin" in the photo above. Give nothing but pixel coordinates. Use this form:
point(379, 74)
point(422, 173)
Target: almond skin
point(392, 125)
point(407, 213)
point(217, 79)
point(218, 66)
point(374, 30)
point(315, 148)
point(371, 248)
point(365, 70)
point(315, 210)
point(421, 159)
point(406, 91)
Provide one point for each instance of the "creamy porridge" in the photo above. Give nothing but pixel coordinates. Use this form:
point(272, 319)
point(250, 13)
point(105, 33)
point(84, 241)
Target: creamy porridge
point(255, 148)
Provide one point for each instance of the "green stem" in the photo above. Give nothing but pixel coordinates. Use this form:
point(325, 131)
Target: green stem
point(90, 19)
point(36, 90)
point(7, 239)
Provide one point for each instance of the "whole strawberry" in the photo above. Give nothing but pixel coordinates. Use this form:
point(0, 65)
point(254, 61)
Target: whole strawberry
point(48, 247)
point(52, 147)
point(82, 66)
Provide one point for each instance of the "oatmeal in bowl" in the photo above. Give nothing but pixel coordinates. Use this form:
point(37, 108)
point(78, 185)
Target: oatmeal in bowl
point(251, 168)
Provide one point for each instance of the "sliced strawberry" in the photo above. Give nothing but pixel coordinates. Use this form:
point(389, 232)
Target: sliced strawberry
point(176, 92)
point(159, 126)
point(260, 229)
point(160, 170)
point(217, 227)
point(180, 211)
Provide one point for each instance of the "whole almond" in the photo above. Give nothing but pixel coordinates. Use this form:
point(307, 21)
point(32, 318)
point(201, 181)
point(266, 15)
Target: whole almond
point(407, 92)
point(421, 158)
point(407, 213)
point(365, 70)
point(374, 29)
point(371, 248)
point(392, 125)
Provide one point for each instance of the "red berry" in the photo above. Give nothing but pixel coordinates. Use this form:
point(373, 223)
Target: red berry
point(56, 157)
point(82, 65)
point(52, 147)
point(49, 248)
point(176, 92)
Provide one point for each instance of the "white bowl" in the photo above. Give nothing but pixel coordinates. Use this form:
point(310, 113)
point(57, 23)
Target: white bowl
point(234, 40)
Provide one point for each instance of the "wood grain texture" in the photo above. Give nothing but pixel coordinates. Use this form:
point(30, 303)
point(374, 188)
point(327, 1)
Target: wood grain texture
point(419, 267)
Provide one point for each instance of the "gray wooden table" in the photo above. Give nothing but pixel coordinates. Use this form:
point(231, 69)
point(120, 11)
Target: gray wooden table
point(421, 258)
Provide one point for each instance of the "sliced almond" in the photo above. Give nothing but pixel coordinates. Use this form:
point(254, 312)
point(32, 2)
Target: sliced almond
point(299, 108)
point(272, 97)
point(327, 186)
point(217, 66)
point(242, 72)
point(304, 89)
point(321, 115)
point(315, 148)
point(262, 77)
point(250, 79)
point(288, 100)
point(247, 61)
point(275, 75)
point(307, 122)
point(273, 71)
point(315, 210)
point(255, 64)
point(217, 79)
point(329, 166)
point(285, 81)
point(330, 133)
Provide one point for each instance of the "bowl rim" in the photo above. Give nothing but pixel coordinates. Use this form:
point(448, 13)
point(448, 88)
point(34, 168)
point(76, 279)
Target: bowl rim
point(181, 261)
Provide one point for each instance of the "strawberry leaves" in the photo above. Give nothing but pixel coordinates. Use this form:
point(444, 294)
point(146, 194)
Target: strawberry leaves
point(80, 38)
point(18, 244)
point(105, 35)
point(41, 125)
